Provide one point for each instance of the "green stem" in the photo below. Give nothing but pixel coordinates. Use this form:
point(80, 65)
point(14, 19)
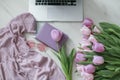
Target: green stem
point(68, 77)
point(88, 56)
point(66, 72)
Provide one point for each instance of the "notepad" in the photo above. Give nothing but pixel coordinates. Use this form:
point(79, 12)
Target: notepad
point(44, 36)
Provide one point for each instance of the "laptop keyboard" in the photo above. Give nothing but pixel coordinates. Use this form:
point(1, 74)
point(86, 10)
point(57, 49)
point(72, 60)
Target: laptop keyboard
point(56, 2)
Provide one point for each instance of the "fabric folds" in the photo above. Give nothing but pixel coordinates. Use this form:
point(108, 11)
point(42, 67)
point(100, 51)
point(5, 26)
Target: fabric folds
point(17, 60)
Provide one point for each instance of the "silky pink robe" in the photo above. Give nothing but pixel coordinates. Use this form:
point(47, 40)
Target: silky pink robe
point(17, 60)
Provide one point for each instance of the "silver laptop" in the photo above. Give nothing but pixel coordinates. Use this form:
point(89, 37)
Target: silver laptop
point(56, 10)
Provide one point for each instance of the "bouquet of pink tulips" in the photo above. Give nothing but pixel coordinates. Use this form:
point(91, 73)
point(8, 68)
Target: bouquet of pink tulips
point(98, 57)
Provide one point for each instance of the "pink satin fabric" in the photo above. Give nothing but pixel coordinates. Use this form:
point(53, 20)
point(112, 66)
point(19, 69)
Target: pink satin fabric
point(17, 60)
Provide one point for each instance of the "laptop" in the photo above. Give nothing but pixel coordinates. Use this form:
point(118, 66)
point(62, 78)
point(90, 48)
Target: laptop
point(56, 10)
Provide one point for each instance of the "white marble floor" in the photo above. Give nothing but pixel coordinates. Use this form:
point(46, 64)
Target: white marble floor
point(98, 10)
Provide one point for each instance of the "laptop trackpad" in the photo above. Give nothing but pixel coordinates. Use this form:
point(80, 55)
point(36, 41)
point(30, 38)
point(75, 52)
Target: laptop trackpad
point(55, 13)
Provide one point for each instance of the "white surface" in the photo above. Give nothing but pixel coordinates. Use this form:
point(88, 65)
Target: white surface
point(98, 10)
point(57, 13)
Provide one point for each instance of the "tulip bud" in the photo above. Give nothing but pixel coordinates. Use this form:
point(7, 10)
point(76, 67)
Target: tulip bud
point(80, 68)
point(85, 31)
point(85, 43)
point(90, 68)
point(98, 60)
point(98, 47)
point(56, 35)
point(87, 76)
point(92, 39)
point(88, 22)
point(96, 30)
point(79, 57)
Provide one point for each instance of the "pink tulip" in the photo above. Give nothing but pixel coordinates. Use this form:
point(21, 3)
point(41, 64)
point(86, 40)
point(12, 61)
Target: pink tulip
point(86, 49)
point(87, 76)
point(85, 43)
point(85, 31)
point(98, 47)
point(92, 39)
point(88, 22)
point(96, 30)
point(85, 36)
point(84, 74)
point(79, 57)
point(56, 35)
point(90, 68)
point(80, 68)
point(98, 60)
